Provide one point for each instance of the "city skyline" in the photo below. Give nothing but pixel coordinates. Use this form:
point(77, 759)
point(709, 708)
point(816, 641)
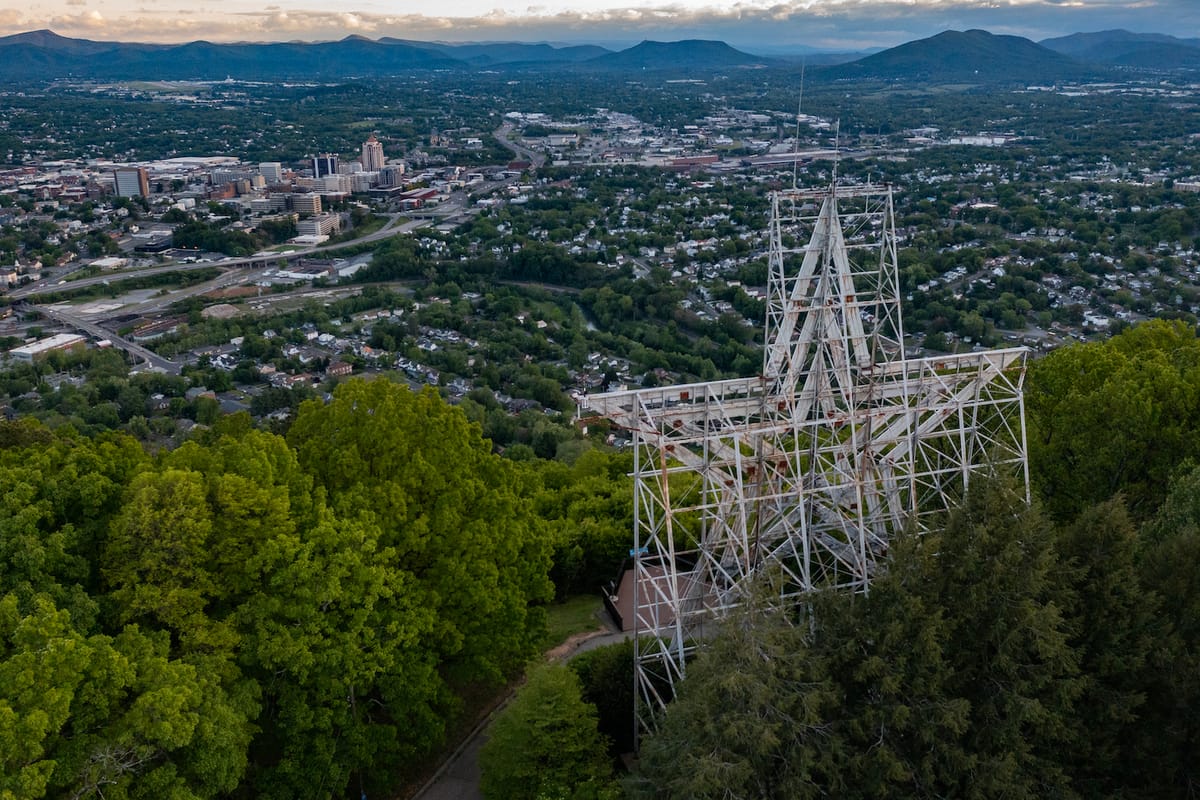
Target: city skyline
point(751, 24)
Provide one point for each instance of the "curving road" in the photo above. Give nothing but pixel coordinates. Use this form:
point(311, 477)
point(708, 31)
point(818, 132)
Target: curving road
point(149, 357)
point(70, 318)
point(503, 134)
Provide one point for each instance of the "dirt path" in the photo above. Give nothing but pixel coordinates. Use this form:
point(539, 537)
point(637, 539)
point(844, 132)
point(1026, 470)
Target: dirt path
point(458, 777)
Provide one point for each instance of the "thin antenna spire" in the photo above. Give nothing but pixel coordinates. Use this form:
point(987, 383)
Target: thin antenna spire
point(837, 148)
point(799, 108)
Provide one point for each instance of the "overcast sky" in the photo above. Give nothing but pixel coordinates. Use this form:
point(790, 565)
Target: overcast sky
point(750, 24)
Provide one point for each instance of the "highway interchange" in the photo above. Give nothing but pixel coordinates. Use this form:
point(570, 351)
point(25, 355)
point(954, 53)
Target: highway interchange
point(242, 270)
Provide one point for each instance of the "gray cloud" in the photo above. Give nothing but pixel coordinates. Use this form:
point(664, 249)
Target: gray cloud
point(827, 24)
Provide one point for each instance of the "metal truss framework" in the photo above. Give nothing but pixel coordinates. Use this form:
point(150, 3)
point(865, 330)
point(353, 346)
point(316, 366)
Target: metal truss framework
point(808, 468)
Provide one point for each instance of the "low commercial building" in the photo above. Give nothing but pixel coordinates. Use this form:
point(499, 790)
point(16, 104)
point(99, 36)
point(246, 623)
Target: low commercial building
point(304, 273)
point(110, 262)
point(42, 347)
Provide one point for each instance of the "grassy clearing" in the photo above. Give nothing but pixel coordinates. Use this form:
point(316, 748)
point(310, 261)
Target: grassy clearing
point(365, 229)
point(575, 615)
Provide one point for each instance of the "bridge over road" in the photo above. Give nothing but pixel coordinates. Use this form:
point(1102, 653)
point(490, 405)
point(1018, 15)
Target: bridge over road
point(77, 321)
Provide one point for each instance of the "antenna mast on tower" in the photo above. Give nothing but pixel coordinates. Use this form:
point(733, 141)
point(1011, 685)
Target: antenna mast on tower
point(799, 110)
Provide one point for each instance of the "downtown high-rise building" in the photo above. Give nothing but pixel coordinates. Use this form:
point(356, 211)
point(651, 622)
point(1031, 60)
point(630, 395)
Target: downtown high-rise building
point(272, 171)
point(131, 182)
point(372, 154)
point(392, 175)
point(325, 164)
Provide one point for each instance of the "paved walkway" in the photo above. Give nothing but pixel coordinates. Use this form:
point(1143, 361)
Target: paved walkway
point(458, 777)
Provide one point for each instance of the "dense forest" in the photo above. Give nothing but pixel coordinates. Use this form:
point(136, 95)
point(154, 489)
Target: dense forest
point(254, 614)
point(1019, 650)
point(260, 616)
point(1003, 656)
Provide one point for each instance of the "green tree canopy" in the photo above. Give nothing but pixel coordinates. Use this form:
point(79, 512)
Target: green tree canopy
point(449, 512)
point(954, 676)
point(1114, 416)
point(244, 613)
point(1168, 564)
point(545, 745)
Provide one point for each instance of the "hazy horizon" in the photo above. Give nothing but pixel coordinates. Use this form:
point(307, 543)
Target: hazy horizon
point(827, 25)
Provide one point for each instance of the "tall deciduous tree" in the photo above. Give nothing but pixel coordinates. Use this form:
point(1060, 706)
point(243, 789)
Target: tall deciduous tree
point(606, 674)
point(156, 553)
point(58, 495)
point(422, 576)
point(1114, 416)
point(448, 511)
point(113, 717)
point(590, 508)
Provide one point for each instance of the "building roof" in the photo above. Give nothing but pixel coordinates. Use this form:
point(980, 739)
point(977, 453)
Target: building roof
point(57, 342)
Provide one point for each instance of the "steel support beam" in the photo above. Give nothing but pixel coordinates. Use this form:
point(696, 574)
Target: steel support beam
point(810, 467)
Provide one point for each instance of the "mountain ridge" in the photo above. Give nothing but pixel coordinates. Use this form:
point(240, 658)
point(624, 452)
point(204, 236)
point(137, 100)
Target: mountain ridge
point(494, 53)
point(1120, 47)
point(683, 54)
point(974, 56)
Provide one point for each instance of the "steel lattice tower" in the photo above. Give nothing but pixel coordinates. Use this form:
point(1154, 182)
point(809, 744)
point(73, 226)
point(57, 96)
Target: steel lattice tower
point(808, 468)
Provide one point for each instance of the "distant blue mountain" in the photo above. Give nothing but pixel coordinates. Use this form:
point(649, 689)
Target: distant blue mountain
point(688, 54)
point(486, 54)
point(43, 54)
point(973, 56)
point(1123, 48)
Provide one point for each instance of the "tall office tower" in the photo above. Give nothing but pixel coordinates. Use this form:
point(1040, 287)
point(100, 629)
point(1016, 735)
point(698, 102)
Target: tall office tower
point(131, 182)
point(372, 154)
point(361, 182)
point(272, 171)
point(305, 203)
point(391, 175)
point(325, 164)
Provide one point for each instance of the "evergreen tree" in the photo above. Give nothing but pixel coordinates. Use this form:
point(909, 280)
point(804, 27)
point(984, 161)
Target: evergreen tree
point(903, 724)
point(1116, 627)
point(545, 745)
point(756, 717)
point(1171, 731)
point(995, 582)
point(954, 677)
